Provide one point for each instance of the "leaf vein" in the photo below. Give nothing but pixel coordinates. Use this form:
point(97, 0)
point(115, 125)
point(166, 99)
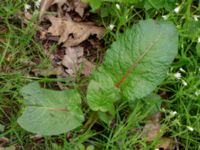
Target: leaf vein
point(124, 77)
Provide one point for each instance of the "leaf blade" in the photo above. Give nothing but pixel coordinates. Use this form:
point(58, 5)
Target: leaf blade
point(50, 112)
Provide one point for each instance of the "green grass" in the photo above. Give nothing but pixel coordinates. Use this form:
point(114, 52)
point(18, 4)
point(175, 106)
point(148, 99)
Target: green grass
point(20, 51)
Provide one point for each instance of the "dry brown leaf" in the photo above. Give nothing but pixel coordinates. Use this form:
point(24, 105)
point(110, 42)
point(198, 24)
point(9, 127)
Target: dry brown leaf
point(57, 28)
point(73, 60)
point(36, 137)
point(87, 67)
point(156, 117)
point(4, 141)
point(151, 131)
point(80, 7)
point(76, 5)
point(45, 4)
point(2, 40)
point(43, 34)
point(3, 30)
point(152, 128)
point(72, 33)
point(28, 16)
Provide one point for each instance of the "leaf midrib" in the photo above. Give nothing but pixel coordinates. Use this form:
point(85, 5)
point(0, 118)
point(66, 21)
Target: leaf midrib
point(138, 60)
point(50, 108)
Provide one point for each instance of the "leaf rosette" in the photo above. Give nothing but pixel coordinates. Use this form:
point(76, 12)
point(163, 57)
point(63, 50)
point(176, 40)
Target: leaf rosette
point(134, 65)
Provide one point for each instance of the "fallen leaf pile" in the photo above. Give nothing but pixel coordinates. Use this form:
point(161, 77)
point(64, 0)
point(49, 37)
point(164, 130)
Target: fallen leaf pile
point(63, 22)
point(72, 33)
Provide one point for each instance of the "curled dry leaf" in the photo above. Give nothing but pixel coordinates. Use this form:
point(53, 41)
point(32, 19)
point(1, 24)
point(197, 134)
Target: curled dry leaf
point(45, 4)
point(73, 33)
point(80, 7)
point(73, 60)
point(77, 5)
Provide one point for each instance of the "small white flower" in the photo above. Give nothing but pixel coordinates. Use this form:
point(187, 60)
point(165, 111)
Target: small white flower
point(117, 6)
point(197, 93)
point(177, 75)
point(177, 9)
point(196, 17)
point(156, 148)
point(184, 83)
point(173, 113)
point(111, 26)
point(190, 128)
point(182, 70)
point(165, 17)
point(27, 7)
point(198, 41)
point(37, 3)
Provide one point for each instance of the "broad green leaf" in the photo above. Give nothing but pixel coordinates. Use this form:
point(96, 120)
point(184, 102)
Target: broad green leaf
point(134, 65)
point(50, 112)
